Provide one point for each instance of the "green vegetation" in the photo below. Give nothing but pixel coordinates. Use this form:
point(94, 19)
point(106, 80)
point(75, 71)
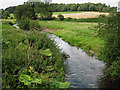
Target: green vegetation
point(5, 15)
point(28, 24)
point(110, 33)
point(69, 8)
point(92, 20)
point(82, 7)
point(60, 17)
point(24, 11)
point(77, 34)
point(30, 60)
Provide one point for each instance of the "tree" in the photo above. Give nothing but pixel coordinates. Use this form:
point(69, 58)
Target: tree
point(10, 9)
point(44, 9)
point(1, 13)
point(26, 10)
point(6, 14)
point(92, 7)
point(73, 7)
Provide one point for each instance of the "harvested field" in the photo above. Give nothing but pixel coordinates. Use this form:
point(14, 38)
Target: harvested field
point(84, 15)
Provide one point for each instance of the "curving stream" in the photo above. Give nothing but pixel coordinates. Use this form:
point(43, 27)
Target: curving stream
point(83, 71)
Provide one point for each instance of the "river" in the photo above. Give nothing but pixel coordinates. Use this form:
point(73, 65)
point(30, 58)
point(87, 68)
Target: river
point(83, 71)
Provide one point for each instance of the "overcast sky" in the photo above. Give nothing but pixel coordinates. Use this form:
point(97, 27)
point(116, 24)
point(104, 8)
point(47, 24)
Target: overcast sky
point(6, 3)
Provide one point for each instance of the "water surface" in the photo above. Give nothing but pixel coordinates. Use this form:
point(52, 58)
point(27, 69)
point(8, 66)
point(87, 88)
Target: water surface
point(83, 71)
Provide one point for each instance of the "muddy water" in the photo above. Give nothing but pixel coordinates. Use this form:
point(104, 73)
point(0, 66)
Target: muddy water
point(83, 71)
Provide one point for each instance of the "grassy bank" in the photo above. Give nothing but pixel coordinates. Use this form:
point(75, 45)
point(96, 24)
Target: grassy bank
point(30, 60)
point(76, 34)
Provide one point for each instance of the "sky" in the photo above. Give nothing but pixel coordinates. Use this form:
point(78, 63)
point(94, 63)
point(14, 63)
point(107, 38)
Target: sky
point(6, 3)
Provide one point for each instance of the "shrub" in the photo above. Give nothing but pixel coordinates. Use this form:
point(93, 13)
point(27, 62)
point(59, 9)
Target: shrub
point(8, 22)
point(68, 18)
point(34, 25)
point(101, 15)
point(60, 17)
point(24, 23)
point(28, 24)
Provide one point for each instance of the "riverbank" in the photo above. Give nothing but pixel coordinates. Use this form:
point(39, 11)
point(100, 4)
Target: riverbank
point(76, 34)
point(31, 60)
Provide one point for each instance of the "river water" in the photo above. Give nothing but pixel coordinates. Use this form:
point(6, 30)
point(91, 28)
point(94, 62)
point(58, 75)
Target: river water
point(83, 71)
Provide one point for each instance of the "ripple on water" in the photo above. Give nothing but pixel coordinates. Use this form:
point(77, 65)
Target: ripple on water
point(83, 71)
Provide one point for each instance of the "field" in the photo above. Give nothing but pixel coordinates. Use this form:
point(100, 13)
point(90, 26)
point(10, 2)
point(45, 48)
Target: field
point(76, 34)
point(78, 15)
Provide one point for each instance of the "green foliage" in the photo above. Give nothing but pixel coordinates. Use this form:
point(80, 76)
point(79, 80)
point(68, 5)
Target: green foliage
point(46, 52)
point(33, 79)
point(45, 10)
point(57, 84)
point(34, 25)
point(60, 17)
point(24, 11)
point(24, 23)
point(68, 18)
point(28, 24)
point(10, 9)
point(30, 60)
point(114, 70)
point(110, 33)
point(82, 7)
point(6, 14)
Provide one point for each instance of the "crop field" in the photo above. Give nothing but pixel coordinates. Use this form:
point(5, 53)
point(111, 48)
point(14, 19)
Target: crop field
point(76, 34)
point(79, 15)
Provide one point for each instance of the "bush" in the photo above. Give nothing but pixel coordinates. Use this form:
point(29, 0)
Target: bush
point(28, 24)
point(34, 25)
point(60, 17)
point(101, 15)
point(24, 23)
point(8, 22)
point(68, 18)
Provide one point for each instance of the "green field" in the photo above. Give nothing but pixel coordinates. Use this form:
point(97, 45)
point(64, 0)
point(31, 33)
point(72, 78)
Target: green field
point(76, 34)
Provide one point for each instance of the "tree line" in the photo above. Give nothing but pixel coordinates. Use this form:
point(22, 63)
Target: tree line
point(82, 7)
point(74, 7)
point(48, 8)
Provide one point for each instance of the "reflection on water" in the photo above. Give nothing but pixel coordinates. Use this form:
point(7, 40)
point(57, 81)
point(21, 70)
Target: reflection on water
point(83, 71)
